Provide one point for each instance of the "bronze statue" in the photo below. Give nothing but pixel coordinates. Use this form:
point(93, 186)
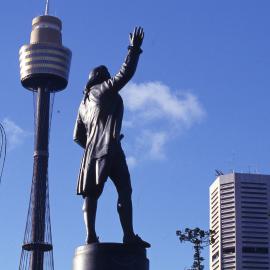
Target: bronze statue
point(98, 131)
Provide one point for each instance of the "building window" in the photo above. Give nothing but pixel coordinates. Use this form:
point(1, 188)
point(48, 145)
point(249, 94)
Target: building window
point(215, 256)
point(229, 250)
point(260, 250)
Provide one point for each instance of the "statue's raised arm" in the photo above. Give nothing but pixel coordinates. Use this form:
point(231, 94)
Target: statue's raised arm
point(129, 66)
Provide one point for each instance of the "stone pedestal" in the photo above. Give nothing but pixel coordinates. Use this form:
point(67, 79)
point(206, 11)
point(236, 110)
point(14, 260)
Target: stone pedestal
point(110, 256)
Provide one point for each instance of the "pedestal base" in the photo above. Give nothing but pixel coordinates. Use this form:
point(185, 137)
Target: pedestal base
point(110, 256)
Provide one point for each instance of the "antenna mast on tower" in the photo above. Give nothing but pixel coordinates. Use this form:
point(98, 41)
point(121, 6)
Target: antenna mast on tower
point(47, 8)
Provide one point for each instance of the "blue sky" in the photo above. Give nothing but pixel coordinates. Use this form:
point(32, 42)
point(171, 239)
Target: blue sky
point(198, 102)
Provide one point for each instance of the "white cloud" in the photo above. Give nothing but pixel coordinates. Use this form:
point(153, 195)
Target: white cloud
point(156, 113)
point(155, 100)
point(152, 144)
point(131, 161)
point(127, 124)
point(15, 134)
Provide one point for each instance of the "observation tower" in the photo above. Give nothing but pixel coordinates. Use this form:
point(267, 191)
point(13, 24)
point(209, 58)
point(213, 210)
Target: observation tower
point(44, 70)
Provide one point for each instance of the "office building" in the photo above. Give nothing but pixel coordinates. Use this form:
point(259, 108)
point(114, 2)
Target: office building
point(239, 214)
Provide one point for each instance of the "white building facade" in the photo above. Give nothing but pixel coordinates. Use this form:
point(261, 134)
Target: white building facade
point(239, 214)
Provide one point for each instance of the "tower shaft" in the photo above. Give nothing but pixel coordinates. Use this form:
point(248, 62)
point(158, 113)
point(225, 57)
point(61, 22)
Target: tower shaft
point(40, 172)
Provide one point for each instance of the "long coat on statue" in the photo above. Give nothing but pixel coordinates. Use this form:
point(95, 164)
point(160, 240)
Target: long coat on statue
point(99, 120)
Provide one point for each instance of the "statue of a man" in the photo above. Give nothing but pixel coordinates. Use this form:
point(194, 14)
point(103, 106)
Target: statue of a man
point(98, 131)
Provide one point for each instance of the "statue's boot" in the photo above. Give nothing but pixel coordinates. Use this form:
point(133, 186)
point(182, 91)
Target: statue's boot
point(89, 214)
point(125, 214)
point(136, 240)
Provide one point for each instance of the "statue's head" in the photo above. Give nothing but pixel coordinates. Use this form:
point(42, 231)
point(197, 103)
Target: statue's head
point(97, 76)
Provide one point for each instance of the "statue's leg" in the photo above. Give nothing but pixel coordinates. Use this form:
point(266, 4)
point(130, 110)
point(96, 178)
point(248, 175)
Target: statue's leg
point(120, 176)
point(124, 208)
point(89, 215)
point(95, 188)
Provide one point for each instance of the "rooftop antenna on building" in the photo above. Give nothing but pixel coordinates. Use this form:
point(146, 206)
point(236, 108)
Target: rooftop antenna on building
point(219, 172)
point(257, 170)
point(233, 161)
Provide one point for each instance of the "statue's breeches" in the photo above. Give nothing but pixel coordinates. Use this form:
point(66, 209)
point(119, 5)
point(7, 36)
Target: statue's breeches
point(112, 165)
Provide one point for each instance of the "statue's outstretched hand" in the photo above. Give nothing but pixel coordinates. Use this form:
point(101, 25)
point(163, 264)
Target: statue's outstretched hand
point(136, 38)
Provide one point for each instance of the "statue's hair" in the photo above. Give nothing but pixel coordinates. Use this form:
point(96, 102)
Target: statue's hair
point(97, 75)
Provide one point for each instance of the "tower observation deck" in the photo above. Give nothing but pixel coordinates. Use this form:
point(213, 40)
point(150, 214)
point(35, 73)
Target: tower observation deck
point(44, 69)
point(45, 62)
